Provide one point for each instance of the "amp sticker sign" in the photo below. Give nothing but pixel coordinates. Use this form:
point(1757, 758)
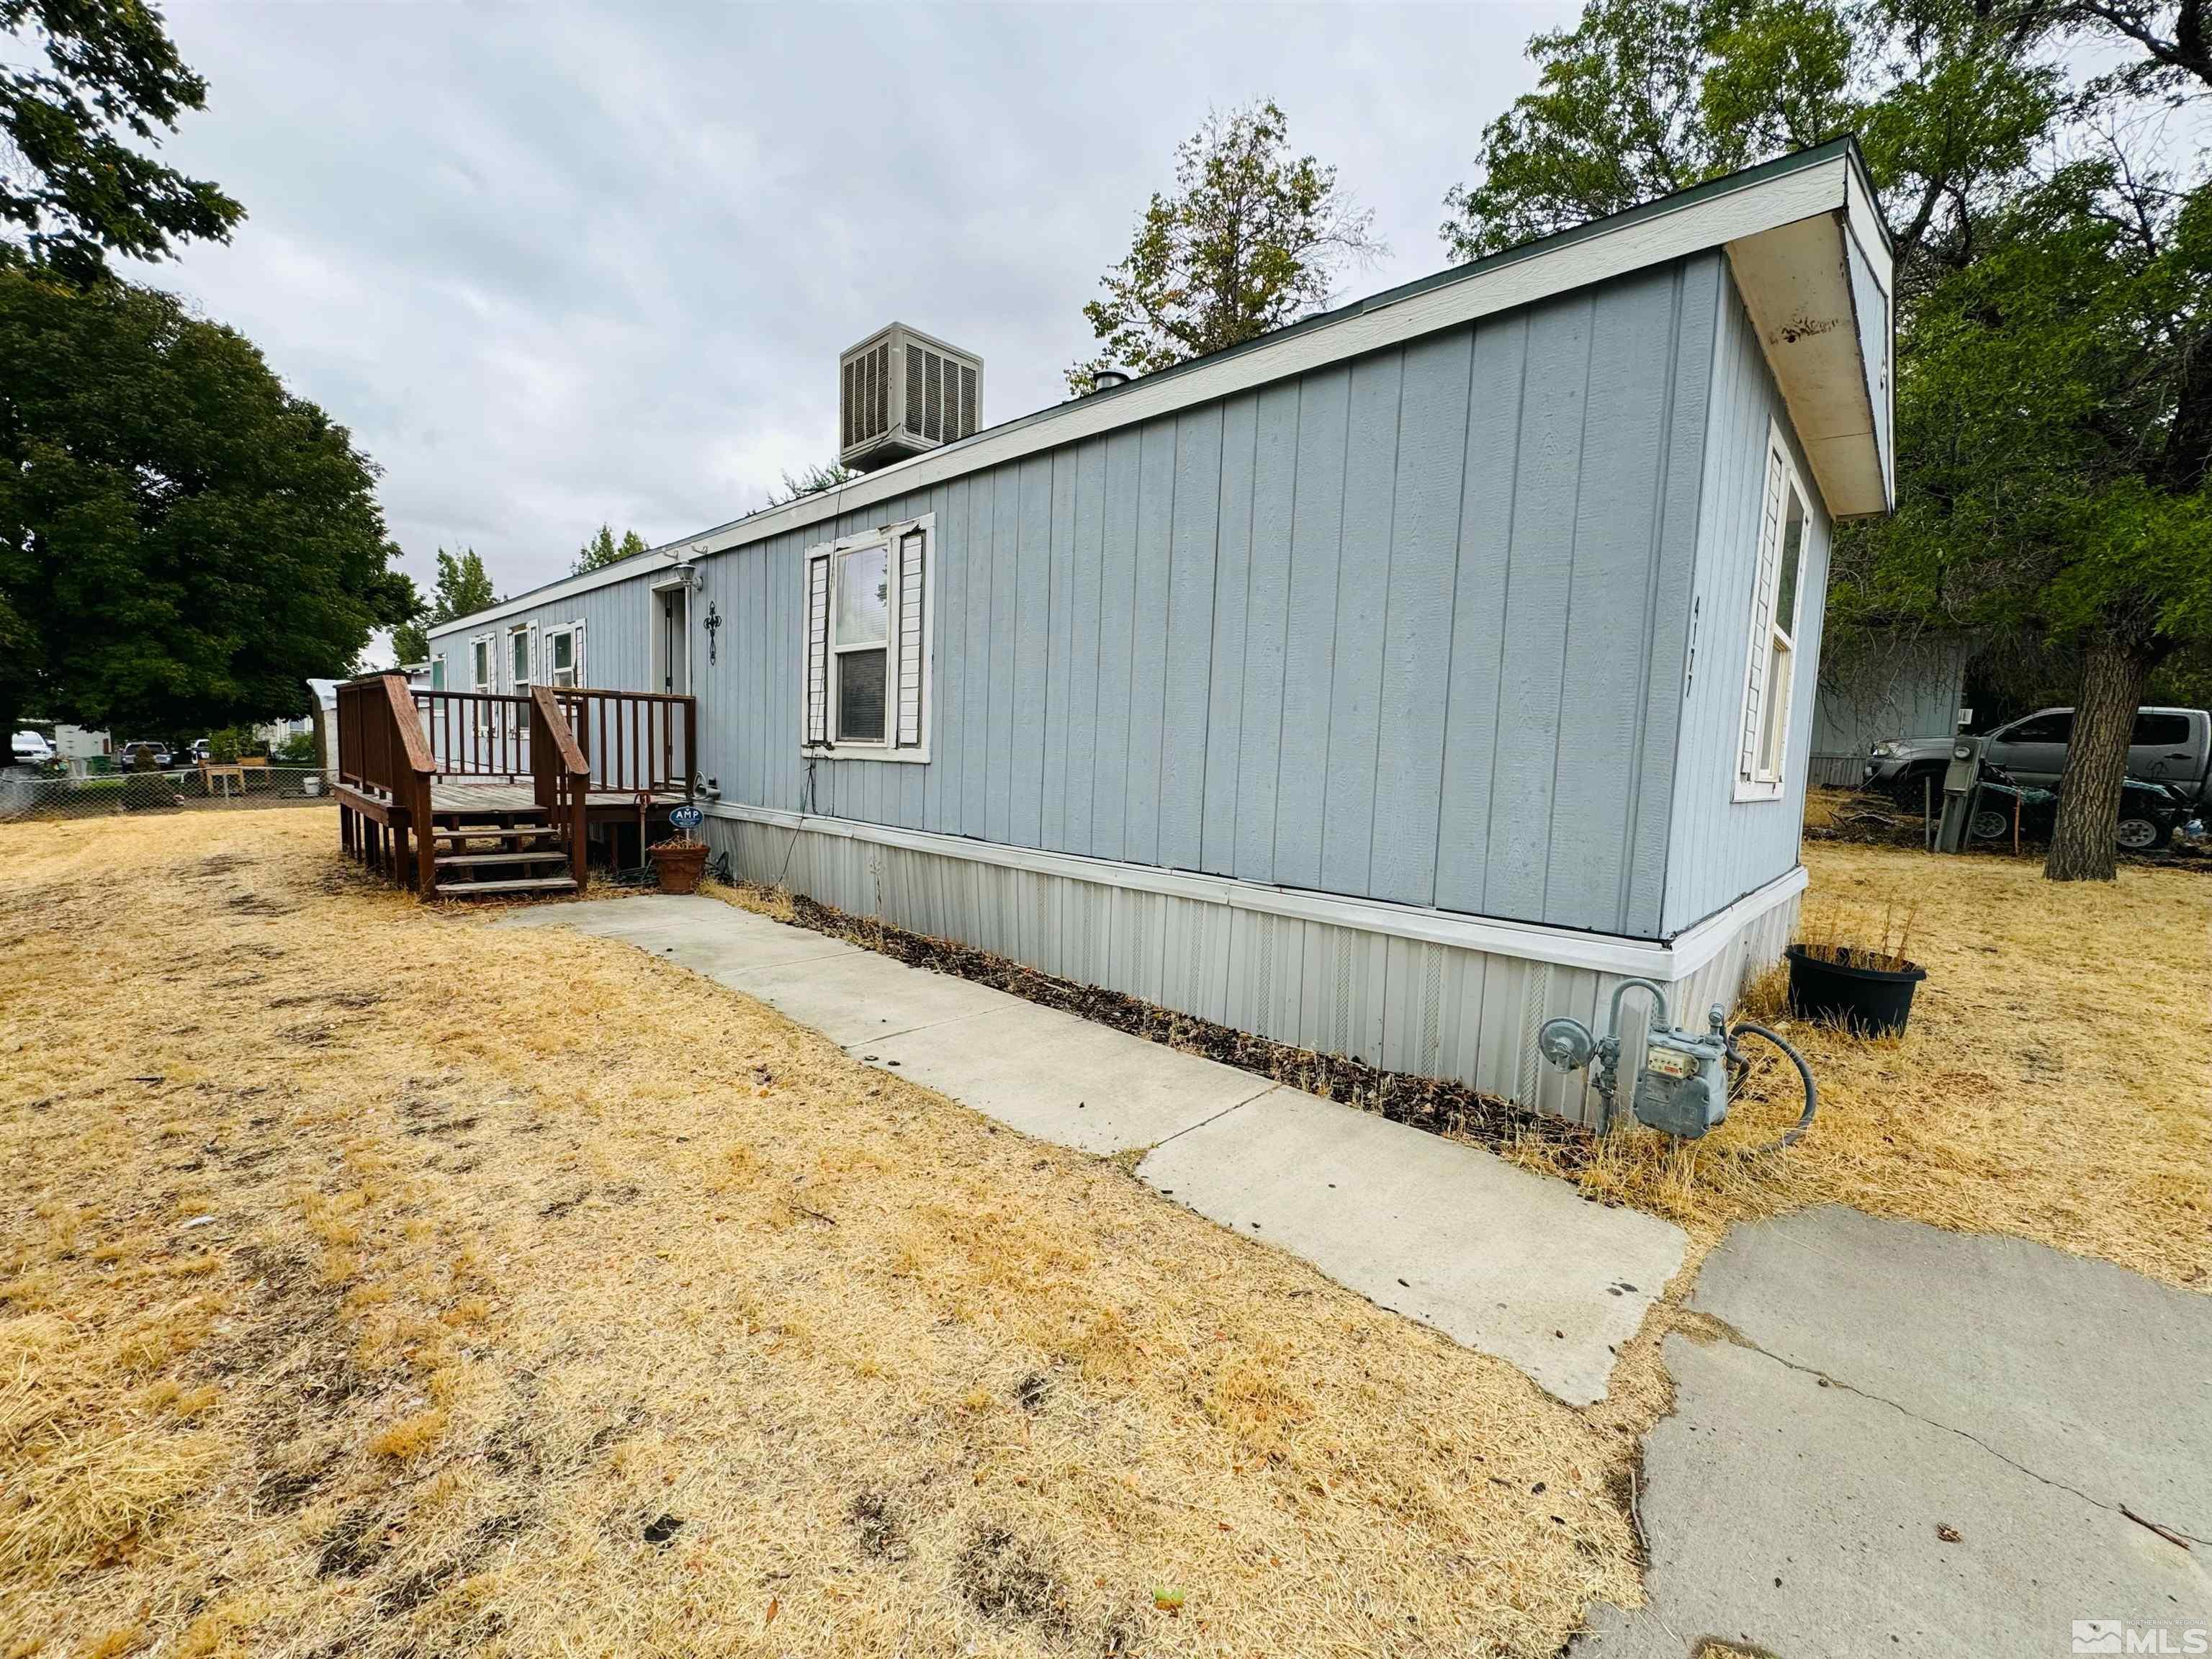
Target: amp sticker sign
point(686, 818)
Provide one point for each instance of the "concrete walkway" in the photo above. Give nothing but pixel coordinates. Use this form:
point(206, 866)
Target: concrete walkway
point(1900, 1441)
point(1504, 1261)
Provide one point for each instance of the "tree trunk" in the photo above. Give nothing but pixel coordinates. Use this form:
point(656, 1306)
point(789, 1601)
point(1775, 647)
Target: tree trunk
point(2113, 670)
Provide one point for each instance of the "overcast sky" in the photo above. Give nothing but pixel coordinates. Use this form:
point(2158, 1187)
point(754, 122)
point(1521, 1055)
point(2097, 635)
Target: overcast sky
point(558, 267)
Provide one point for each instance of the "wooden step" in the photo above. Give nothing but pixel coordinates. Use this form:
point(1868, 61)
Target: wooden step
point(524, 884)
point(470, 860)
point(491, 831)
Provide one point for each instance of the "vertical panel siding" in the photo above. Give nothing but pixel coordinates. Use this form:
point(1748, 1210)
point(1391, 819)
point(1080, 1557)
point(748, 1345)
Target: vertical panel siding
point(1721, 848)
point(1310, 653)
point(1411, 628)
point(1224, 714)
point(1417, 646)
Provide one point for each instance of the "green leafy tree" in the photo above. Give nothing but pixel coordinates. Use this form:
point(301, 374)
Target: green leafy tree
point(2054, 379)
point(81, 185)
point(603, 549)
point(183, 542)
point(2057, 414)
point(463, 588)
point(1640, 100)
point(812, 481)
point(1248, 240)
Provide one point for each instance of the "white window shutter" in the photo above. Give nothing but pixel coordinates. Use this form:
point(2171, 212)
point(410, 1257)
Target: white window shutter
point(1762, 616)
point(818, 648)
point(912, 551)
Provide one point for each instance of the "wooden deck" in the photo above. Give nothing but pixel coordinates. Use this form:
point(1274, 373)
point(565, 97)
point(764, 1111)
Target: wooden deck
point(459, 798)
point(475, 792)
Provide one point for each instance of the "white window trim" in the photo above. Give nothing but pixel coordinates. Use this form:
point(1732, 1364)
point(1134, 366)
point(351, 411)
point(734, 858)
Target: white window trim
point(484, 647)
point(1755, 784)
point(888, 536)
point(529, 632)
point(574, 632)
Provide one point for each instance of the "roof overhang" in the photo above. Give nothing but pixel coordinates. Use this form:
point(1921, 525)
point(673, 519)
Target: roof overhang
point(1801, 232)
point(1818, 290)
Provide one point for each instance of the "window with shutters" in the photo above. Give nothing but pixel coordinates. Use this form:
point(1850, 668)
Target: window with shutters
point(480, 660)
point(1777, 599)
point(865, 603)
point(564, 655)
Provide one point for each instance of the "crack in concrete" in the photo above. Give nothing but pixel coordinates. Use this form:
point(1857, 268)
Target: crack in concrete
point(1693, 1319)
point(1234, 1106)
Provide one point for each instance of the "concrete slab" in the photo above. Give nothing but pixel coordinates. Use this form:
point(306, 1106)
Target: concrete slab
point(861, 1000)
point(1498, 1258)
point(1067, 1079)
point(2092, 1376)
point(707, 936)
point(1792, 1519)
point(1877, 1386)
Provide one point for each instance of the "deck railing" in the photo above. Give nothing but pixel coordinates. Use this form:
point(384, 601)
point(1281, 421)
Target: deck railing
point(635, 743)
point(477, 733)
point(384, 752)
point(562, 776)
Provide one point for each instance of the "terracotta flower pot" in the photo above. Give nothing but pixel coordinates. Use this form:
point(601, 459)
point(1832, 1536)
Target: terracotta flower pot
point(677, 865)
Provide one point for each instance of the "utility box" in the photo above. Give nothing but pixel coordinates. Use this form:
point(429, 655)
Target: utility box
point(902, 393)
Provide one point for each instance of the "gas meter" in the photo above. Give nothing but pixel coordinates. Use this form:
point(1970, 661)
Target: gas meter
point(1681, 1082)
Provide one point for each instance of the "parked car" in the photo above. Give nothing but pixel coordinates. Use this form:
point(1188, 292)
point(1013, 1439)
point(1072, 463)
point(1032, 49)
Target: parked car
point(2169, 746)
point(2151, 811)
point(32, 748)
point(126, 758)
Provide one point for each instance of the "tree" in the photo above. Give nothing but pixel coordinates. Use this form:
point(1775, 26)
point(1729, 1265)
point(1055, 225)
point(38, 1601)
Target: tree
point(81, 190)
point(2058, 413)
point(812, 481)
point(603, 549)
point(183, 542)
point(2054, 379)
point(1247, 242)
point(463, 587)
point(1640, 100)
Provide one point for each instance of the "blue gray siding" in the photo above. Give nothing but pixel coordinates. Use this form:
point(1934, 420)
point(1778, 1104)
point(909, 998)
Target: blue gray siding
point(1410, 627)
point(1722, 848)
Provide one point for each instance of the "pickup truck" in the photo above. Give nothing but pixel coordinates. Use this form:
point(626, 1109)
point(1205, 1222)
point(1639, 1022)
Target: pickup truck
point(2168, 746)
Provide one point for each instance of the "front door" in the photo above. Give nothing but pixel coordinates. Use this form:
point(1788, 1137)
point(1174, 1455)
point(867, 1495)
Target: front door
point(672, 641)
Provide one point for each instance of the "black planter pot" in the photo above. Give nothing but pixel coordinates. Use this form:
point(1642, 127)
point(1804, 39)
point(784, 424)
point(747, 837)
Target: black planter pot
point(1869, 1002)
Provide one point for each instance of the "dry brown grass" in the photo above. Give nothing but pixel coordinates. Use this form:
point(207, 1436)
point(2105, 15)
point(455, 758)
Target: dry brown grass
point(371, 1282)
point(2055, 1082)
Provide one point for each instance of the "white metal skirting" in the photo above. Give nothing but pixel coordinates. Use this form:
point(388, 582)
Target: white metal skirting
point(1346, 986)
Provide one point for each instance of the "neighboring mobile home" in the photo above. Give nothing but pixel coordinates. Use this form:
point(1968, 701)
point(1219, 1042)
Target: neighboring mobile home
point(1384, 685)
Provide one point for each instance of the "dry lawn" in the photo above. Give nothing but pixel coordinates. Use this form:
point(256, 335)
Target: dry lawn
point(374, 1283)
point(2055, 1082)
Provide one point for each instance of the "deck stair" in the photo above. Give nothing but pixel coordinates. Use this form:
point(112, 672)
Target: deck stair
point(473, 794)
point(520, 856)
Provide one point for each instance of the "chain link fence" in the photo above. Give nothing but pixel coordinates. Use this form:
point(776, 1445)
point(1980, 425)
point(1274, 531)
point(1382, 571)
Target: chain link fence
point(28, 794)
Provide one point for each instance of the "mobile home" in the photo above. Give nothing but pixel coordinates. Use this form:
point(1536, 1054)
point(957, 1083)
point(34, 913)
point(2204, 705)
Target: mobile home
point(1384, 685)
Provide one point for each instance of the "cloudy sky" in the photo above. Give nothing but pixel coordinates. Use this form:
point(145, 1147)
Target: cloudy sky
point(559, 266)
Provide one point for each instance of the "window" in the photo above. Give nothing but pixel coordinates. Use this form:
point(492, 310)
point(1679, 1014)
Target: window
point(1771, 677)
point(564, 655)
point(480, 663)
point(867, 668)
point(2057, 727)
point(518, 656)
point(437, 673)
point(2160, 731)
